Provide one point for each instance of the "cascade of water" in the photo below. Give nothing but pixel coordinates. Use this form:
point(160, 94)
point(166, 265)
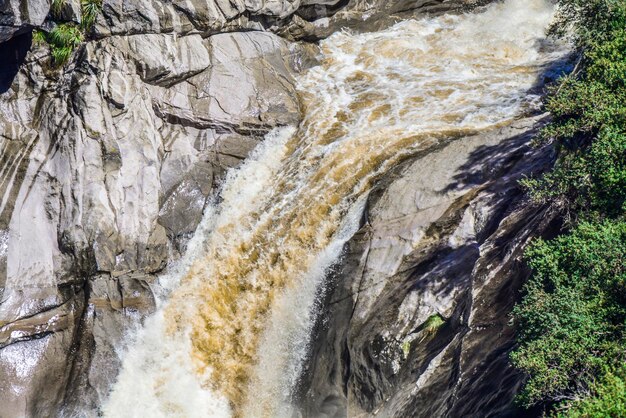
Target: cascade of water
point(231, 337)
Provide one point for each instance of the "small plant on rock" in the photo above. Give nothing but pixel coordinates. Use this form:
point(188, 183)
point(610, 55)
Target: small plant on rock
point(39, 37)
point(406, 348)
point(90, 10)
point(63, 39)
point(56, 6)
point(67, 36)
point(433, 323)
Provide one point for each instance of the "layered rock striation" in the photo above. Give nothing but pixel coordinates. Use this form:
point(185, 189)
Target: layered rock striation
point(417, 317)
point(108, 162)
point(107, 165)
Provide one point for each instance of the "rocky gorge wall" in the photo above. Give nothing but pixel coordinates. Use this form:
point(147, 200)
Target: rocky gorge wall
point(108, 162)
point(417, 319)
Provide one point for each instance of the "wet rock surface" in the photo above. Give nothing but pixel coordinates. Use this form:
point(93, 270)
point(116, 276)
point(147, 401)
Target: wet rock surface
point(417, 317)
point(108, 162)
point(107, 165)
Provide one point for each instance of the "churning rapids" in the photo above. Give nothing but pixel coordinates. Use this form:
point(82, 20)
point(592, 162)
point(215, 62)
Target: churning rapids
point(231, 336)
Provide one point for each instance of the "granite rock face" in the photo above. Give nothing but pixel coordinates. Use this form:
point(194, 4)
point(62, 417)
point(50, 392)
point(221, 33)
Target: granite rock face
point(107, 163)
point(294, 19)
point(106, 166)
point(19, 16)
point(417, 320)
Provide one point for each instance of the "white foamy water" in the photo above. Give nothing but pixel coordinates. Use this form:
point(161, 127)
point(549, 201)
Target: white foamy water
point(231, 338)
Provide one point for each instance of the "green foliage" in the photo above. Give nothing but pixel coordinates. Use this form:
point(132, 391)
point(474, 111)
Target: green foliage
point(572, 317)
point(607, 401)
point(56, 6)
point(433, 323)
point(66, 37)
point(63, 39)
point(588, 20)
point(406, 348)
point(39, 37)
point(588, 179)
point(589, 128)
point(89, 10)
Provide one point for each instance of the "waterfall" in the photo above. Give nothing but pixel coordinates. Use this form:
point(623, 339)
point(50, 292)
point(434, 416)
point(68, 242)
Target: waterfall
point(231, 337)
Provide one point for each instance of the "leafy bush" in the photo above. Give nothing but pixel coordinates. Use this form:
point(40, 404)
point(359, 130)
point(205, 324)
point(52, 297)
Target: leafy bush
point(589, 128)
point(572, 319)
point(588, 20)
point(573, 314)
point(609, 399)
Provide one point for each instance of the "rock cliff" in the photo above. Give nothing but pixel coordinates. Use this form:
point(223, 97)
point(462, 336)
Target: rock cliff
point(417, 318)
point(106, 166)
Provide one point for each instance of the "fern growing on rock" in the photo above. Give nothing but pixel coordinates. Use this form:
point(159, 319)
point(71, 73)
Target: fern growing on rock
point(56, 6)
point(67, 36)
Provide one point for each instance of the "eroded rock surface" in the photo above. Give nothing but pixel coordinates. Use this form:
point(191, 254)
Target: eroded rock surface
point(294, 19)
point(417, 322)
point(106, 165)
point(18, 16)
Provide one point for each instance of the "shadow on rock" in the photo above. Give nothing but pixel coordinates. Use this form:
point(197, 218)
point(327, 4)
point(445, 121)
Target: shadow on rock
point(13, 53)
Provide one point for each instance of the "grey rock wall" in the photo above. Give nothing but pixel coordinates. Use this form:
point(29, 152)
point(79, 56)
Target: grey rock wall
point(18, 16)
point(106, 165)
point(441, 244)
point(293, 19)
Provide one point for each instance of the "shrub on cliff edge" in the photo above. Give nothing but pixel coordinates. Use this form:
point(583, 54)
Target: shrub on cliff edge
point(572, 319)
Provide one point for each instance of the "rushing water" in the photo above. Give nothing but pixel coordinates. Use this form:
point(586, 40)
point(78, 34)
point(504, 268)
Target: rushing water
point(231, 338)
